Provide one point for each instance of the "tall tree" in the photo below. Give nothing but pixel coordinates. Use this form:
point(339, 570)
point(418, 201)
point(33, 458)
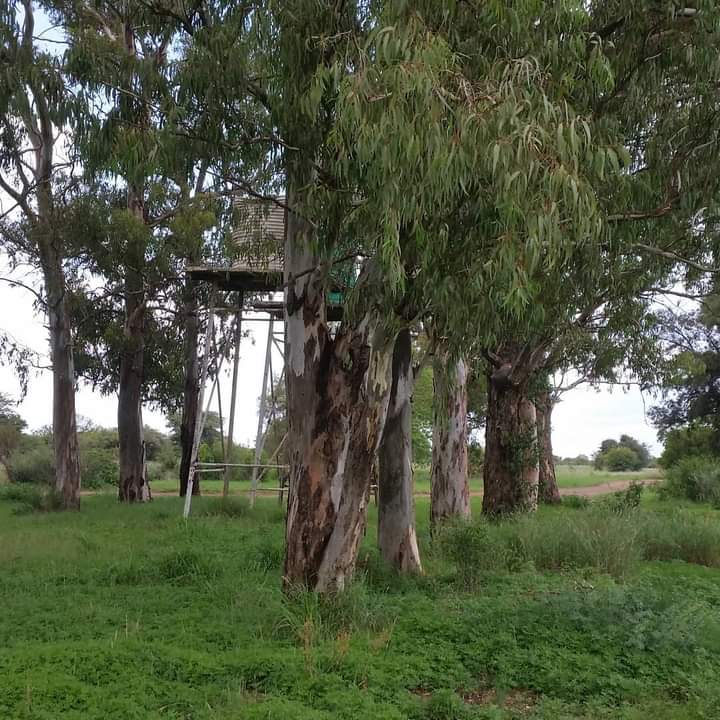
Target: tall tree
point(155, 220)
point(664, 176)
point(397, 537)
point(449, 488)
point(34, 108)
point(548, 490)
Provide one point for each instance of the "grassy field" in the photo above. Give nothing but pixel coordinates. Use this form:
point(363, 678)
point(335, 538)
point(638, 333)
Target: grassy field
point(130, 613)
point(568, 476)
point(574, 476)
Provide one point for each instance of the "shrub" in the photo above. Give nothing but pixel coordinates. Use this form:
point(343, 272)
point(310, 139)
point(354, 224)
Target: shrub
point(628, 499)
point(34, 465)
point(155, 471)
point(681, 536)
point(695, 478)
point(99, 468)
point(599, 538)
point(695, 441)
point(472, 547)
point(476, 457)
point(31, 498)
point(621, 459)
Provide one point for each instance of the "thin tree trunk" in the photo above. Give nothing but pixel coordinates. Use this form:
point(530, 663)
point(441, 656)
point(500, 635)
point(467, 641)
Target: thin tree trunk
point(397, 538)
point(548, 491)
point(337, 394)
point(510, 470)
point(49, 246)
point(450, 493)
point(191, 390)
point(65, 441)
point(132, 483)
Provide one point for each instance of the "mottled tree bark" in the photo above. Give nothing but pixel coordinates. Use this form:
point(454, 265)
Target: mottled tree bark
point(337, 393)
point(510, 470)
point(49, 246)
point(65, 442)
point(397, 538)
point(132, 486)
point(191, 390)
point(548, 491)
point(450, 493)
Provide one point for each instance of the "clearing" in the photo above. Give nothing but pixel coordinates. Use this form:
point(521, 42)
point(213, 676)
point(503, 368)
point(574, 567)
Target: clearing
point(128, 612)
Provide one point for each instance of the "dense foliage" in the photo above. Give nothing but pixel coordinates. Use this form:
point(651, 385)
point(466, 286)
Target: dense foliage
point(624, 454)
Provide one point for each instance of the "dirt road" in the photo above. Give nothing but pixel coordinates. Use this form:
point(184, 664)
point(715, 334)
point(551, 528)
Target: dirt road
point(586, 491)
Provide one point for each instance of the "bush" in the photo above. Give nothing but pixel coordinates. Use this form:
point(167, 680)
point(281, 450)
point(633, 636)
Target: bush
point(34, 465)
point(476, 457)
point(621, 459)
point(31, 498)
point(99, 468)
point(625, 500)
point(695, 478)
point(599, 538)
point(473, 547)
point(681, 536)
point(696, 441)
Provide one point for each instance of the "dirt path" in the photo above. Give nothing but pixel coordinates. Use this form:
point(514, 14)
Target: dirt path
point(586, 491)
point(604, 488)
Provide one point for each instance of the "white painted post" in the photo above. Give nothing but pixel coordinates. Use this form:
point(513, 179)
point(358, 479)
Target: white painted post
point(233, 394)
point(200, 415)
point(259, 438)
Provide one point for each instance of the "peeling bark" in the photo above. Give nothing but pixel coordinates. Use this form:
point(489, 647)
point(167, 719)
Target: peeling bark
point(337, 391)
point(510, 470)
point(397, 538)
point(450, 493)
point(191, 390)
point(548, 491)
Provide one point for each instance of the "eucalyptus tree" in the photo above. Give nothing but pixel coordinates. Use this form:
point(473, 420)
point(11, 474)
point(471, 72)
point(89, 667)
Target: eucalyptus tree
point(397, 537)
point(411, 147)
point(124, 63)
point(495, 200)
point(35, 106)
point(449, 488)
point(639, 81)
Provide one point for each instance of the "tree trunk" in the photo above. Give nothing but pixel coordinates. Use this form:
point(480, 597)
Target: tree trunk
point(450, 493)
point(397, 538)
point(132, 485)
point(191, 390)
point(510, 471)
point(65, 441)
point(548, 491)
point(337, 395)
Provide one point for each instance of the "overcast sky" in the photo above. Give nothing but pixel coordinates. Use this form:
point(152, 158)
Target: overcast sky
point(580, 422)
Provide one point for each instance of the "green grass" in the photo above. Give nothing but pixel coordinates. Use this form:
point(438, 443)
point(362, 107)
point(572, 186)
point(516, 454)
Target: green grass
point(568, 476)
point(129, 613)
point(576, 476)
